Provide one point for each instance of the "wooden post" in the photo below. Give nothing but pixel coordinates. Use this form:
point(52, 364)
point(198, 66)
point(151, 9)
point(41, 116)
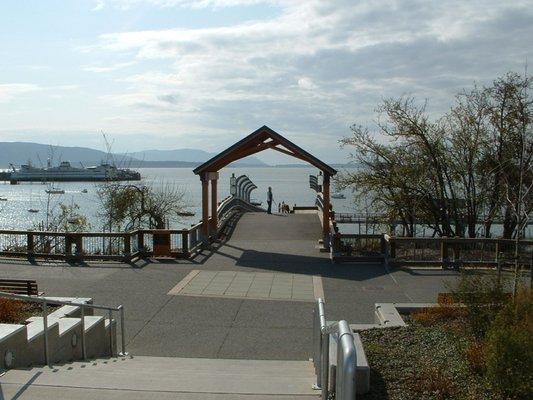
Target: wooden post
point(214, 204)
point(205, 207)
point(140, 242)
point(185, 243)
point(79, 245)
point(127, 246)
point(443, 252)
point(325, 209)
point(30, 244)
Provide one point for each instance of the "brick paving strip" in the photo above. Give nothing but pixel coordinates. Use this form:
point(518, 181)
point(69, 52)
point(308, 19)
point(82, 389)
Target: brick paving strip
point(250, 285)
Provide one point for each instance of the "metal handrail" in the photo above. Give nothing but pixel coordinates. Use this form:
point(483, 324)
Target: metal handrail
point(346, 355)
point(45, 301)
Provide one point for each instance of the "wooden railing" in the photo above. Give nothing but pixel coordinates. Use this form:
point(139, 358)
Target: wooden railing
point(445, 252)
point(122, 246)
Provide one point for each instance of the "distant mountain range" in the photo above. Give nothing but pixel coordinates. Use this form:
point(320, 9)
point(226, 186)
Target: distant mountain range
point(17, 153)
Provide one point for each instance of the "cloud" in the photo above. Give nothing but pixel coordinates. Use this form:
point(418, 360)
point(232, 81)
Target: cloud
point(9, 91)
point(317, 67)
point(127, 4)
point(107, 68)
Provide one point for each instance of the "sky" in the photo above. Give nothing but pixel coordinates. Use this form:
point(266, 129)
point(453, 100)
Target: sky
point(164, 74)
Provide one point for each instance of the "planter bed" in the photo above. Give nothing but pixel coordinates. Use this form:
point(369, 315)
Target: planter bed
point(17, 312)
point(423, 361)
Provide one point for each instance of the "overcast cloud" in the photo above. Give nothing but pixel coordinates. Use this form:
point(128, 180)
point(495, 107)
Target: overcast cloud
point(309, 69)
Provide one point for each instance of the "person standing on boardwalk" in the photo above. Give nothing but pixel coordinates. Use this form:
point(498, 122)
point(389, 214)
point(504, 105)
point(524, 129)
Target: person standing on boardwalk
point(270, 198)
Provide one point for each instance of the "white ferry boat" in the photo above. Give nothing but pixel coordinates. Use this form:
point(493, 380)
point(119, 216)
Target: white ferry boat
point(67, 173)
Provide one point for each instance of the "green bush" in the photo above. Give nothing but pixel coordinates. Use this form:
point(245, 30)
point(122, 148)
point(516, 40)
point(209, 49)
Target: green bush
point(509, 349)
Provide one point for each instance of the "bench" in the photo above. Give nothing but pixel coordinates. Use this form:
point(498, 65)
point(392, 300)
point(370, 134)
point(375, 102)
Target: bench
point(19, 286)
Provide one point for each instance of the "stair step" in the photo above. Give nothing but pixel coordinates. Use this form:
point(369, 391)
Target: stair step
point(67, 324)
point(91, 321)
point(178, 375)
point(36, 327)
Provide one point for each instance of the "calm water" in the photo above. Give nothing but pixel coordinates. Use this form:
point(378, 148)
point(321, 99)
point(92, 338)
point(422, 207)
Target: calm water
point(288, 184)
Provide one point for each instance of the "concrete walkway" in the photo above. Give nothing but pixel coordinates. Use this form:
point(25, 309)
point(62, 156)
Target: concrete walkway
point(162, 324)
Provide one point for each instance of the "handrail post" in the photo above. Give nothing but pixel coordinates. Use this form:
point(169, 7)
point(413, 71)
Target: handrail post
point(83, 348)
point(346, 363)
point(324, 361)
point(45, 333)
point(122, 332)
point(110, 314)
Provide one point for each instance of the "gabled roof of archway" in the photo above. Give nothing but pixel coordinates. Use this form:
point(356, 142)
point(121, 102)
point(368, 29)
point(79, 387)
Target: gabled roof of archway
point(262, 139)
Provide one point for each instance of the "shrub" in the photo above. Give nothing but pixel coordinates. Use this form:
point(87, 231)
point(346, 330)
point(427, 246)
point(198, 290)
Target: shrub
point(483, 296)
point(509, 355)
point(475, 357)
point(434, 380)
point(11, 311)
point(445, 312)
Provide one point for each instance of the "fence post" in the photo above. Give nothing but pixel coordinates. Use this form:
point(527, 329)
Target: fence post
point(30, 244)
point(185, 243)
point(127, 246)
point(140, 242)
point(392, 248)
point(456, 251)
point(444, 252)
point(497, 249)
point(68, 245)
point(79, 246)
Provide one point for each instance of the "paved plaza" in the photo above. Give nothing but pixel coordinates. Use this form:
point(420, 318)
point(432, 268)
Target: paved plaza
point(218, 318)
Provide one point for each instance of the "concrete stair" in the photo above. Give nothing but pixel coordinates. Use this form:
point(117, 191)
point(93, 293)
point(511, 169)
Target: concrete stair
point(25, 343)
point(165, 377)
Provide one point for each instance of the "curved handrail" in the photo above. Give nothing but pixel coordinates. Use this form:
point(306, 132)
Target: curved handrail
point(346, 355)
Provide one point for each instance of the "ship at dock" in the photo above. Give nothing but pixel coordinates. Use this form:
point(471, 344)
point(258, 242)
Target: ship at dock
point(65, 172)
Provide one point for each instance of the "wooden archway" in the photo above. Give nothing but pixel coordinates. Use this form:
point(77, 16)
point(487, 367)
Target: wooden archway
point(263, 138)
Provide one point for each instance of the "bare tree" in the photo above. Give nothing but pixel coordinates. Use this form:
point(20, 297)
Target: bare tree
point(131, 206)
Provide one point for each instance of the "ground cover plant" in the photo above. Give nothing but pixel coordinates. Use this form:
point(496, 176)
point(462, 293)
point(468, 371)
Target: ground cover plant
point(480, 350)
point(17, 312)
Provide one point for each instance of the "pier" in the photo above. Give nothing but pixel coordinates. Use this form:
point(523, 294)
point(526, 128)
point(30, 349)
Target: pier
point(235, 292)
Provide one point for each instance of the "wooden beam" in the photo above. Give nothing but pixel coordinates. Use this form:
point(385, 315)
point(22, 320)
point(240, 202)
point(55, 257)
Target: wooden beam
point(289, 153)
point(241, 154)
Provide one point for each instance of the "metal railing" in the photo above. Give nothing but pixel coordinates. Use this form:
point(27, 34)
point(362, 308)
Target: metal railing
point(346, 355)
point(44, 304)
